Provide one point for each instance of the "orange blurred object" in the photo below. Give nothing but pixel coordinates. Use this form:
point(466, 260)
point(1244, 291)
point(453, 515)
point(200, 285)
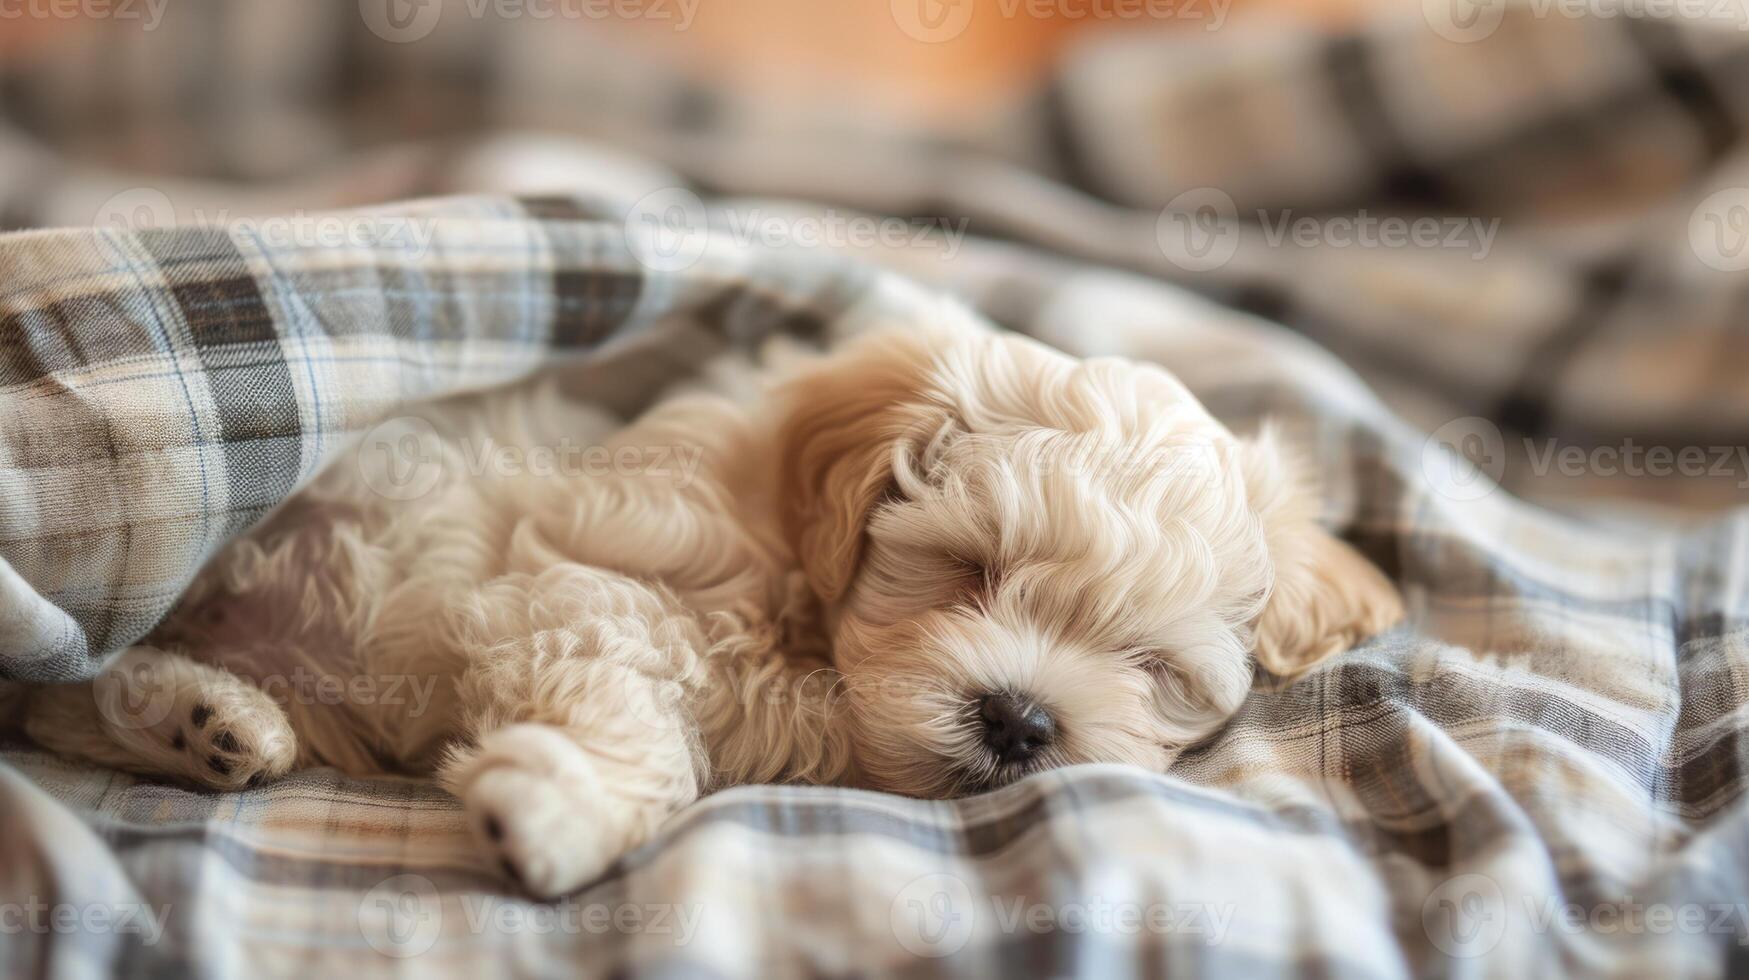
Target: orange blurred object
point(934, 56)
point(22, 35)
point(927, 56)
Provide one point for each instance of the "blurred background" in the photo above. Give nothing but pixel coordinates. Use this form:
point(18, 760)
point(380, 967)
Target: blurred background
point(793, 50)
point(1449, 246)
point(1588, 156)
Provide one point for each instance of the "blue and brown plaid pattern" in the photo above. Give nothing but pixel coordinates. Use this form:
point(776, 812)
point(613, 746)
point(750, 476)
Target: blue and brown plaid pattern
point(1540, 774)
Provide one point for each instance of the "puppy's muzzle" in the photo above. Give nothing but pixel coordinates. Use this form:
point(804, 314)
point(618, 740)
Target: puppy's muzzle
point(1015, 729)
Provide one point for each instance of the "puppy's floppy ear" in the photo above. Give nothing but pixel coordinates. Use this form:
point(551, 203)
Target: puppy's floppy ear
point(843, 420)
point(1327, 597)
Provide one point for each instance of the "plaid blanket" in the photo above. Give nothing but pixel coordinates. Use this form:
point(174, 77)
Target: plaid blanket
point(1524, 235)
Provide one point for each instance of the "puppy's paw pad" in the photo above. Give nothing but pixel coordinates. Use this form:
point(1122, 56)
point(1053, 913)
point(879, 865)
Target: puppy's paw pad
point(233, 739)
point(540, 832)
point(539, 814)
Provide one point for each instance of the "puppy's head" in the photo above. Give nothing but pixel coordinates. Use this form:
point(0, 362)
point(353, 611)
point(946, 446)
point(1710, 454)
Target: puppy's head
point(1030, 561)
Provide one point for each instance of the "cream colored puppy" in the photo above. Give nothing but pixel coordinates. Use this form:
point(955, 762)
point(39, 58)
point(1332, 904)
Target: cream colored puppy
point(931, 562)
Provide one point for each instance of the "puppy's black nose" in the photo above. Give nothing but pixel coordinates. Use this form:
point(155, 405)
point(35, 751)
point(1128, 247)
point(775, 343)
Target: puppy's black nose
point(1013, 728)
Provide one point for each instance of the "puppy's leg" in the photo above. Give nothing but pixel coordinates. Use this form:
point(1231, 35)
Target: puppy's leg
point(575, 705)
point(161, 714)
point(771, 718)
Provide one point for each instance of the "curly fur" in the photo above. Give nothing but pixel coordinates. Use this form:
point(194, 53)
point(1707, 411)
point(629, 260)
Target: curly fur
point(867, 548)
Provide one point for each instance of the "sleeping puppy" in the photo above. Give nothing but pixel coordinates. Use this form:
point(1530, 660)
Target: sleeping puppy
point(932, 562)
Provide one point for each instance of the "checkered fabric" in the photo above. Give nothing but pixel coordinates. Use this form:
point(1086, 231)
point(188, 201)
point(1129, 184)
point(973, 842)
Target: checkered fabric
point(163, 390)
point(1541, 773)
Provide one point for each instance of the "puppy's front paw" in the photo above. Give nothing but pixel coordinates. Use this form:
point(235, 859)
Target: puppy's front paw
point(234, 738)
point(175, 717)
point(535, 802)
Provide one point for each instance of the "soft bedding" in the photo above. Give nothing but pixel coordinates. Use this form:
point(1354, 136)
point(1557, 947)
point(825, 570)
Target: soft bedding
point(1540, 773)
